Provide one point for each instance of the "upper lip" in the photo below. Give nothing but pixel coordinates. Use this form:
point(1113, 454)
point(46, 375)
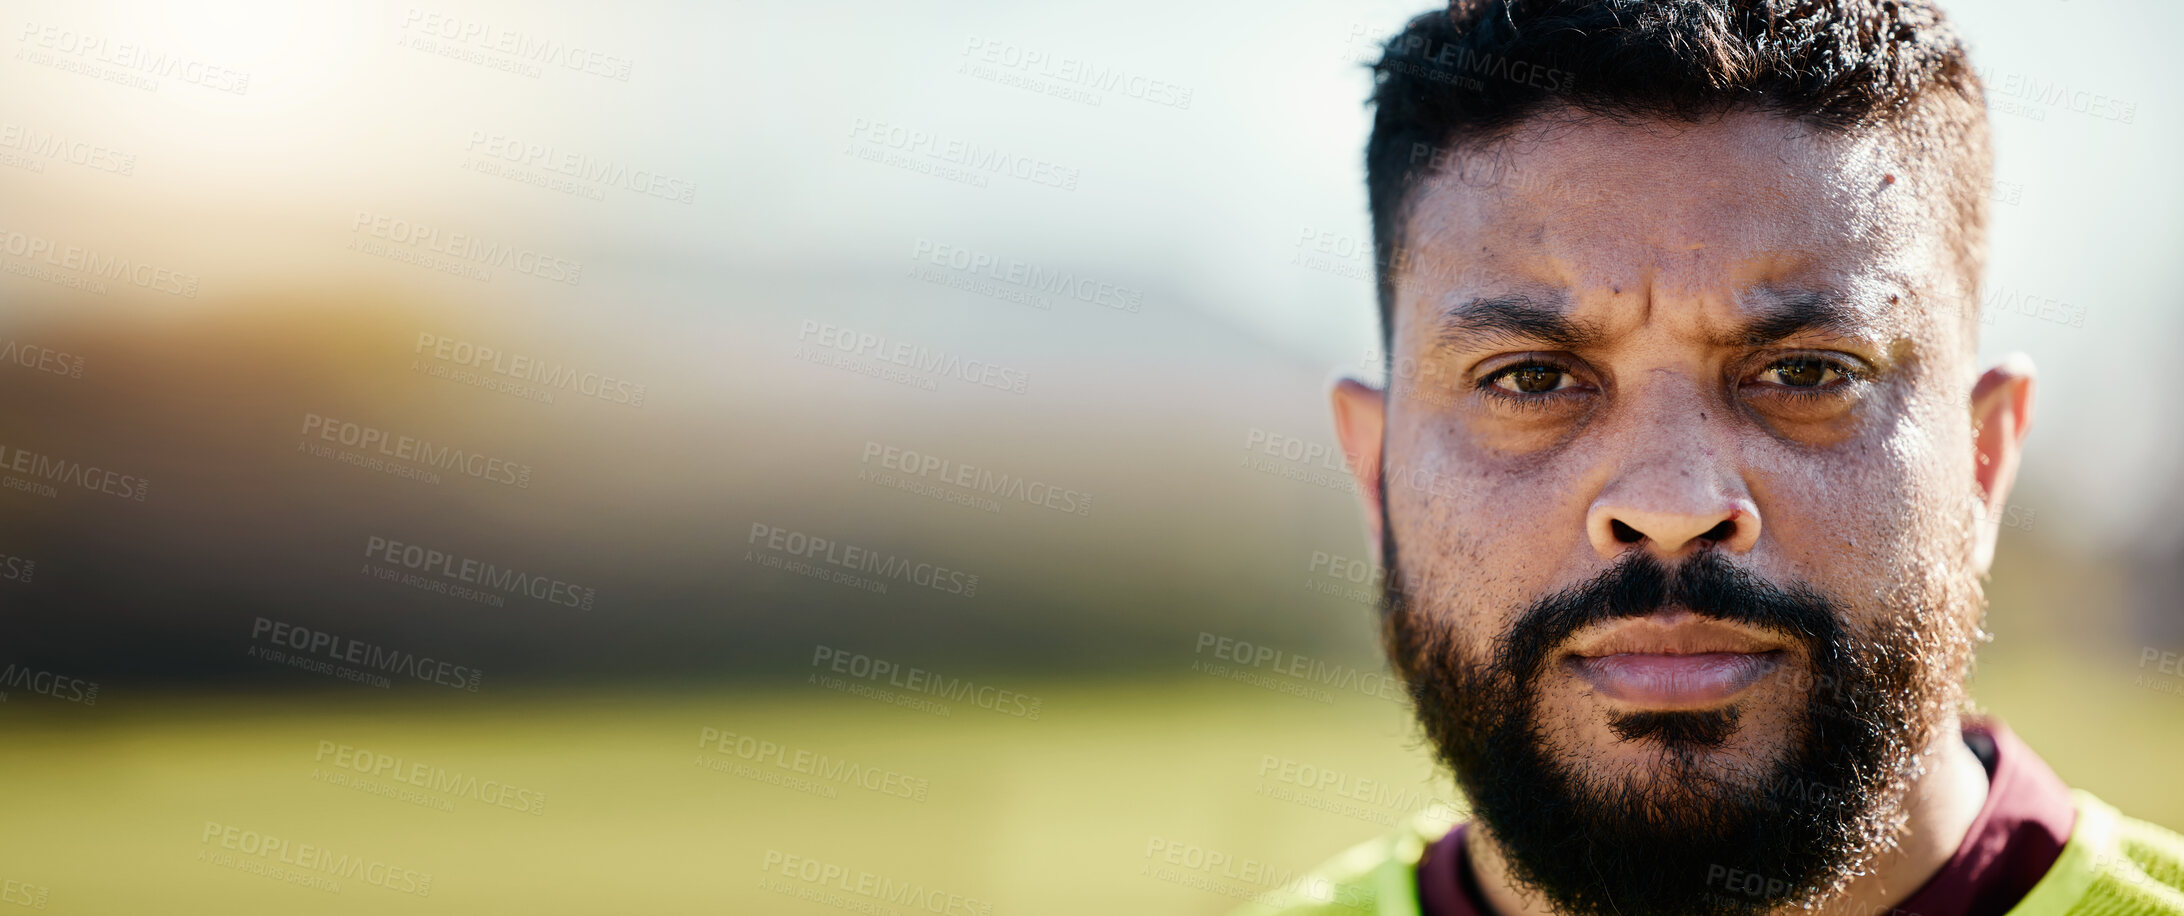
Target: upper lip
point(1671, 632)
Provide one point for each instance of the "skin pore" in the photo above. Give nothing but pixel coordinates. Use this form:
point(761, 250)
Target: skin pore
point(1743, 335)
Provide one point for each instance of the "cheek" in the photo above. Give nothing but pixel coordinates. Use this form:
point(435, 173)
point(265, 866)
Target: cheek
point(1874, 522)
point(1930, 564)
point(1489, 539)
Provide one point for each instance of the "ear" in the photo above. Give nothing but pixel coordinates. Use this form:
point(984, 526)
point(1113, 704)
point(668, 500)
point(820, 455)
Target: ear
point(1361, 419)
point(2001, 412)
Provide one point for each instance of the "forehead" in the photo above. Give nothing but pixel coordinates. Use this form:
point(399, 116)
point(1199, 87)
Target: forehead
point(1693, 220)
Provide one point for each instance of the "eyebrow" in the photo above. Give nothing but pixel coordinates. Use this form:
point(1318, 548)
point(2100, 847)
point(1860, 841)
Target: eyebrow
point(1511, 320)
point(1523, 321)
point(1798, 313)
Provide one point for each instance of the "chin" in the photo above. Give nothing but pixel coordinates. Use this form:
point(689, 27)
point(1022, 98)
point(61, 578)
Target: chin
point(1690, 754)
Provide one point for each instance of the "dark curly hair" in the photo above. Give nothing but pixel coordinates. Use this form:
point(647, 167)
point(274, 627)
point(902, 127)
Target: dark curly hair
point(1456, 79)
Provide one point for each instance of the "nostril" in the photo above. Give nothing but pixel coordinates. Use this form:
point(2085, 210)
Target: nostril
point(1721, 532)
point(1625, 533)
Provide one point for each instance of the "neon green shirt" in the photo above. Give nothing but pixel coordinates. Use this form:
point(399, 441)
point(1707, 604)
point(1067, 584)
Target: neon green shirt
point(2112, 866)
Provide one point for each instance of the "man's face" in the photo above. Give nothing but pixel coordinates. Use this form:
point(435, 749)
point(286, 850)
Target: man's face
point(1679, 486)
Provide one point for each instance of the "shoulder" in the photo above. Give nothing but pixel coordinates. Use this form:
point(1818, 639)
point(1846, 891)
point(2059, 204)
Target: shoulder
point(1377, 877)
point(2113, 866)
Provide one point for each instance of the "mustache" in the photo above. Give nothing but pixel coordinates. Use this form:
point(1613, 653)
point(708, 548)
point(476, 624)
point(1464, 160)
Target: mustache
point(1640, 584)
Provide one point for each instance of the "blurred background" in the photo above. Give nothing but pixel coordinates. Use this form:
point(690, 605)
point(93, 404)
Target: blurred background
point(805, 457)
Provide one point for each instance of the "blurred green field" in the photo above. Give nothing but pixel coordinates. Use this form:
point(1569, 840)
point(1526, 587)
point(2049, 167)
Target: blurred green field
point(124, 807)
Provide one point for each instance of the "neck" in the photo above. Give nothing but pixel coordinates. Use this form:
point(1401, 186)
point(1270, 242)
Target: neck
point(1938, 810)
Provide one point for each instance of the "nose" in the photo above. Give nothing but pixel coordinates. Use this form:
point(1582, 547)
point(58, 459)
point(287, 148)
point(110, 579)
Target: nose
point(1672, 504)
point(1673, 488)
point(1617, 526)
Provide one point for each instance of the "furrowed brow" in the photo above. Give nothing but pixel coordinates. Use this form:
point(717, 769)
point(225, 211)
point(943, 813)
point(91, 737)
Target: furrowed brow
point(1800, 313)
point(1510, 321)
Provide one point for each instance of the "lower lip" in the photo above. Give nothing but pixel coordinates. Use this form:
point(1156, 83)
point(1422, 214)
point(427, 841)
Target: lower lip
point(1674, 681)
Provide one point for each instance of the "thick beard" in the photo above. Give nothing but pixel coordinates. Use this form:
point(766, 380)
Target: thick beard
point(1665, 842)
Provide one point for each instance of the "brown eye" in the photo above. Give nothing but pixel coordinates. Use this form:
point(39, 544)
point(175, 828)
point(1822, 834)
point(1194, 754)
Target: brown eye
point(1803, 373)
point(1532, 379)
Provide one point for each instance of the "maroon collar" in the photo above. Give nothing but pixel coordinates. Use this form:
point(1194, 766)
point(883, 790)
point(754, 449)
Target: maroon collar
point(2016, 837)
